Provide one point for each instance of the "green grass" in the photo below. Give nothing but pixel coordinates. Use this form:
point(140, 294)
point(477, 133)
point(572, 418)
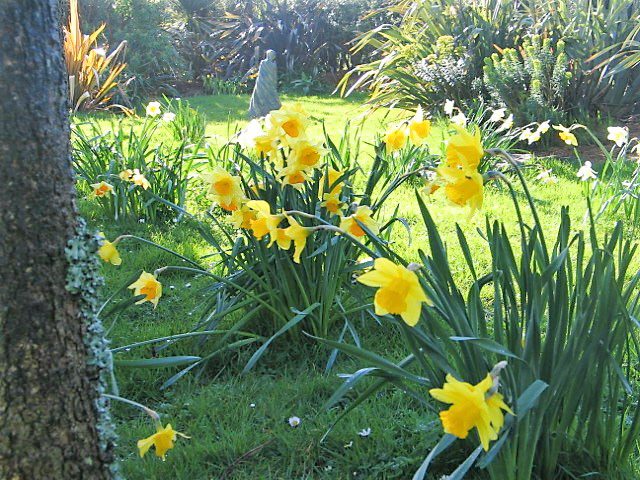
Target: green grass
point(232, 439)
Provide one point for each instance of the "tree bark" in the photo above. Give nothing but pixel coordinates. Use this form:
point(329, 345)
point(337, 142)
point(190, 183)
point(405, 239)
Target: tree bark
point(49, 404)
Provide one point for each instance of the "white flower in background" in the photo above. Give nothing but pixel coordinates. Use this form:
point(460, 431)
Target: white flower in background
point(546, 177)
point(247, 137)
point(544, 126)
point(153, 109)
point(100, 52)
point(498, 115)
point(365, 432)
point(349, 445)
point(168, 117)
point(506, 125)
point(459, 119)
point(619, 135)
point(448, 107)
point(294, 421)
point(586, 172)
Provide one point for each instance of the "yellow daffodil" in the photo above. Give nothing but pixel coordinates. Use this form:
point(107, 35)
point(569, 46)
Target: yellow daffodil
point(569, 138)
point(330, 178)
point(153, 109)
point(395, 138)
point(565, 135)
point(293, 175)
point(464, 149)
point(619, 135)
point(292, 121)
point(298, 234)
point(233, 205)
point(419, 128)
point(463, 187)
point(307, 155)
point(108, 252)
point(264, 223)
point(162, 440)
point(363, 215)
point(399, 290)
point(431, 186)
point(470, 408)
point(265, 143)
point(224, 188)
point(140, 180)
point(101, 189)
point(126, 175)
point(332, 203)
point(147, 285)
point(280, 237)
point(241, 217)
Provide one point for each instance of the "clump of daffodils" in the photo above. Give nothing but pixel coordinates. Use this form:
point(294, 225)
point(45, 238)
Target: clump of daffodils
point(458, 174)
point(417, 130)
point(281, 142)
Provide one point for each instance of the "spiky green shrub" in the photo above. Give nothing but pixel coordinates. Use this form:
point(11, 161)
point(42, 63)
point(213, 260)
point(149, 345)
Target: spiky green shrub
point(531, 84)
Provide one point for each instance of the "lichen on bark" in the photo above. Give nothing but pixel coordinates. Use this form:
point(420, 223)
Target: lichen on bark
point(84, 279)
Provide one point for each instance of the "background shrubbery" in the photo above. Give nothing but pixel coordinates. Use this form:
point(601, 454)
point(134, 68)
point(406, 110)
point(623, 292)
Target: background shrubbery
point(439, 49)
point(181, 46)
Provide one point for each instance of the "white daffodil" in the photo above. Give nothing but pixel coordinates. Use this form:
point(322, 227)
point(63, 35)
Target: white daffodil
point(459, 119)
point(586, 172)
point(546, 177)
point(544, 126)
point(619, 135)
point(498, 115)
point(448, 107)
point(506, 125)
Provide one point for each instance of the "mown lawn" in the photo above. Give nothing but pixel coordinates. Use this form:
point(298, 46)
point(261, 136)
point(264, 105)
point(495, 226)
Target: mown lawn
point(238, 423)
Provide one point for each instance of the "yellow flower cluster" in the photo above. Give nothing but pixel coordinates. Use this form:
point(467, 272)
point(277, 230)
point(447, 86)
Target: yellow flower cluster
point(417, 129)
point(463, 184)
point(265, 223)
point(471, 406)
point(281, 139)
point(134, 176)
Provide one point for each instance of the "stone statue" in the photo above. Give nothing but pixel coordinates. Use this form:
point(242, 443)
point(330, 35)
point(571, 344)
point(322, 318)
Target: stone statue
point(265, 93)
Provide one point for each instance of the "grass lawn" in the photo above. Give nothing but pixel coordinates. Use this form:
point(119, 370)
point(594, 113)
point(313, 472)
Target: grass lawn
point(238, 423)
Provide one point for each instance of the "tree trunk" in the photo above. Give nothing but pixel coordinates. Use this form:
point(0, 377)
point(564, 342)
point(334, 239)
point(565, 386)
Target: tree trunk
point(49, 401)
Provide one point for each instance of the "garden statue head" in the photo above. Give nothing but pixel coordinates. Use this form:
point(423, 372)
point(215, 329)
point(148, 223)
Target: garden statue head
point(271, 55)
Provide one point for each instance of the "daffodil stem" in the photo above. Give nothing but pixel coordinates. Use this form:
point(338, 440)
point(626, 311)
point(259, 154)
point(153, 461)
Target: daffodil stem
point(307, 215)
point(124, 237)
point(152, 413)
